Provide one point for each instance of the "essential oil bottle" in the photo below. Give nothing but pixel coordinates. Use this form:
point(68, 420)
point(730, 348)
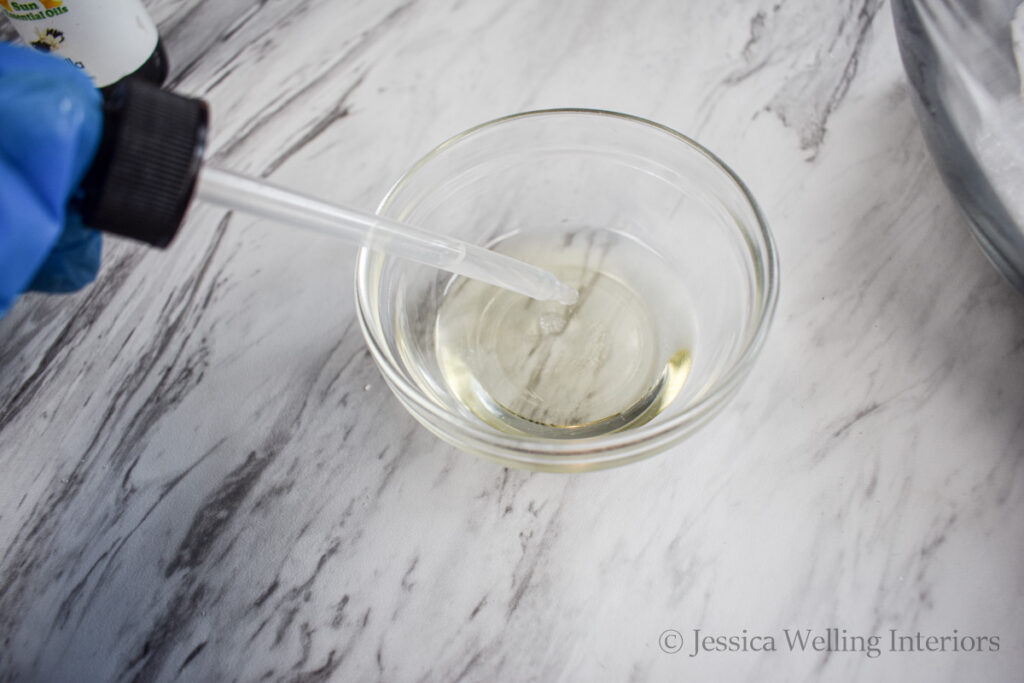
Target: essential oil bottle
point(110, 39)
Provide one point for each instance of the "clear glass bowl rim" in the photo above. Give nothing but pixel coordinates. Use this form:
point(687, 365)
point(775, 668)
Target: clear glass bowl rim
point(599, 451)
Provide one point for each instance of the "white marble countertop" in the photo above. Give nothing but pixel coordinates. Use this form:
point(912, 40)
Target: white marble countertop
point(203, 476)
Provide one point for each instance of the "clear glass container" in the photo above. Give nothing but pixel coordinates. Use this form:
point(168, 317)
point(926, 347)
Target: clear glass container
point(675, 227)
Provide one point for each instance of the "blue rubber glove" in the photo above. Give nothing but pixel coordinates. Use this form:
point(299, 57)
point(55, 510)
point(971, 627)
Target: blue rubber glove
point(50, 124)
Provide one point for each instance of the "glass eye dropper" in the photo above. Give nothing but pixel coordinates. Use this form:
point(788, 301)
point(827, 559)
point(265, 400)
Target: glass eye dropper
point(262, 199)
point(149, 167)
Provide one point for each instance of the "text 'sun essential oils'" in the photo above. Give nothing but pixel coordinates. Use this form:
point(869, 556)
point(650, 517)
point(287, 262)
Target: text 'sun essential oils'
point(613, 360)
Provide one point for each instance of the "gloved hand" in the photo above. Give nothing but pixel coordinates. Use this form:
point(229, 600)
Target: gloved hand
point(50, 124)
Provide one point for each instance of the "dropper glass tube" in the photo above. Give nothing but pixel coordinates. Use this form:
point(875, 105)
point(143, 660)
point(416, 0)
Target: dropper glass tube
point(375, 232)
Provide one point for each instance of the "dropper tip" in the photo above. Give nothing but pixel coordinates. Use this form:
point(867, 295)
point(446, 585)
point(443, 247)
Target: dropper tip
point(565, 294)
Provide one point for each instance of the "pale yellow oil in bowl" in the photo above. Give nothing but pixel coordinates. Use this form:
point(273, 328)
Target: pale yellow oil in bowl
point(613, 360)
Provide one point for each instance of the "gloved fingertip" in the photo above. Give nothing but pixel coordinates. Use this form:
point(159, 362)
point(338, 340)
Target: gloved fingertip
point(52, 126)
point(73, 262)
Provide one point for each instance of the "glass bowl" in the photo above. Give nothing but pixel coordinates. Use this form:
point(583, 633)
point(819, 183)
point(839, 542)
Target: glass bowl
point(671, 218)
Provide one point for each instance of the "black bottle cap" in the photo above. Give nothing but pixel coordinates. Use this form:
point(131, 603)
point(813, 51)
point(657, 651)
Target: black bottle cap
point(144, 172)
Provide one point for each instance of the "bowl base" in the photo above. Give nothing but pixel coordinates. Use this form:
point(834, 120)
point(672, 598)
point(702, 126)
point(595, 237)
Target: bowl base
point(612, 360)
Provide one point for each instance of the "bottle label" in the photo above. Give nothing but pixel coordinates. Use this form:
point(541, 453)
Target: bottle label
point(109, 39)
